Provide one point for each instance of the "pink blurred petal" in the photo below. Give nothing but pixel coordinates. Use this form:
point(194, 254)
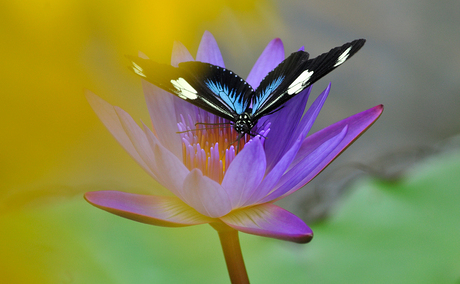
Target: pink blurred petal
point(209, 51)
point(245, 173)
point(167, 211)
point(293, 177)
point(272, 55)
point(180, 54)
point(163, 116)
point(205, 195)
point(269, 220)
point(110, 119)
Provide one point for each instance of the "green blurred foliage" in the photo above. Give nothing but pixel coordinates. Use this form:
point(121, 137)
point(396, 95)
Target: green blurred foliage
point(398, 232)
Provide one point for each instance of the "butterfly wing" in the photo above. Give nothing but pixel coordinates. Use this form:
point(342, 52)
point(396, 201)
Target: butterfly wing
point(295, 74)
point(212, 88)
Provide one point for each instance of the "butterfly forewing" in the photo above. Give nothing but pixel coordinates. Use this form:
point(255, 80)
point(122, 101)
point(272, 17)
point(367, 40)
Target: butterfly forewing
point(297, 73)
point(212, 88)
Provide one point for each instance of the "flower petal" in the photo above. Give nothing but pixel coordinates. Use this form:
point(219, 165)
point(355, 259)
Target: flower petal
point(163, 116)
point(209, 51)
point(205, 195)
point(167, 211)
point(293, 177)
point(272, 55)
point(269, 220)
point(245, 173)
point(357, 125)
point(284, 123)
point(288, 125)
point(272, 178)
point(180, 54)
point(169, 171)
point(110, 119)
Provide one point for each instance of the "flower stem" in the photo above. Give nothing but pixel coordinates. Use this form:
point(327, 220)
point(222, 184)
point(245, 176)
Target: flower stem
point(232, 253)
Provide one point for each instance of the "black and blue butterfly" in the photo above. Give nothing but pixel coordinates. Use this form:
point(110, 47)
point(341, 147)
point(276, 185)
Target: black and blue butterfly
point(225, 94)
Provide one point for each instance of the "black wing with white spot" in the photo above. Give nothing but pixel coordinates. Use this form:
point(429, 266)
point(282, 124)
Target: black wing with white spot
point(295, 74)
point(212, 88)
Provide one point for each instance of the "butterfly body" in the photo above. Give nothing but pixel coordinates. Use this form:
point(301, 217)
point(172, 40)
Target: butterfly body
point(222, 92)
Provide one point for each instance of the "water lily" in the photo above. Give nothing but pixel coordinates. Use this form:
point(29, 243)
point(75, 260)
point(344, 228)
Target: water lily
point(211, 182)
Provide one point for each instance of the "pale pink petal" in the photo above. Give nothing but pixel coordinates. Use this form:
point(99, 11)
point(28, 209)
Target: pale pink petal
point(168, 169)
point(269, 220)
point(167, 211)
point(165, 108)
point(245, 173)
point(272, 55)
point(292, 179)
point(205, 195)
point(209, 51)
point(109, 118)
point(161, 106)
point(171, 170)
point(180, 54)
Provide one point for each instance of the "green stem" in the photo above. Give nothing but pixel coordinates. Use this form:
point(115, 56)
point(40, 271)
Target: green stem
point(232, 253)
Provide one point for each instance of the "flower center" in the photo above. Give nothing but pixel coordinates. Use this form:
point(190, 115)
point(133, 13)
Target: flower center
point(209, 145)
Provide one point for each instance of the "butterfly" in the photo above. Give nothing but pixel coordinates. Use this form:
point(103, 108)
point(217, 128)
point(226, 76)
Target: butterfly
point(225, 94)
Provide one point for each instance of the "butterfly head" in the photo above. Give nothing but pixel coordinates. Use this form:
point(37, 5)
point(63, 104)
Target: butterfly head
point(244, 123)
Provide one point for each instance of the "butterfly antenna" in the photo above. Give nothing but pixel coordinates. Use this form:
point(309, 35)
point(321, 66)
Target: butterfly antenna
point(204, 123)
point(237, 140)
point(196, 129)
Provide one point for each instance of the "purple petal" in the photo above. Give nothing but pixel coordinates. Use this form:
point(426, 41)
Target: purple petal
point(271, 221)
point(205, 195)
point(209, 51)
point(285, 132)
point(268, 183)
point(357, 124)
point(167, 211)
point(272, 55)
point(110, 119)
point(295, 175)
point(245, 173)
point(284, 124)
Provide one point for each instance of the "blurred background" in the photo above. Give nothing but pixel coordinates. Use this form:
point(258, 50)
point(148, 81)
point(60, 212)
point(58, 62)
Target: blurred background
point(54, 148)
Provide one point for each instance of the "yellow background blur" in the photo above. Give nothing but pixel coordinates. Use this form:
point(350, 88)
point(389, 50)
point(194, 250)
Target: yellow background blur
point(52, 51)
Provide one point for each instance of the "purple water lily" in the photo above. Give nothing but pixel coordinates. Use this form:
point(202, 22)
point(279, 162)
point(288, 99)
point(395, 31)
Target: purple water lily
point(211, 182)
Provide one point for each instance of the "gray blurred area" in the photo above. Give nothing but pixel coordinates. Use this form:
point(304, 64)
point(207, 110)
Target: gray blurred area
point(410, 63)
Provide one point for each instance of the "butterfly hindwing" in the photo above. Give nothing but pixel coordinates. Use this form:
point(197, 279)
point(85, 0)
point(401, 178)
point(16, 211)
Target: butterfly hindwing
point(295, 74)
point(212, 88)
point(269, 95)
